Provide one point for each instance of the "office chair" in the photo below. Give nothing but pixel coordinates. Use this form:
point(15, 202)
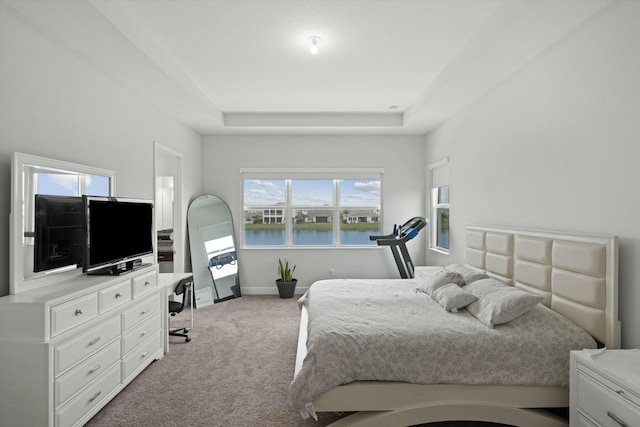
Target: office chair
point(182, 288)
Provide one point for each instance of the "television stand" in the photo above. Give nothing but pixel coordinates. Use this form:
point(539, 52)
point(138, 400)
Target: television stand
point(69, 348)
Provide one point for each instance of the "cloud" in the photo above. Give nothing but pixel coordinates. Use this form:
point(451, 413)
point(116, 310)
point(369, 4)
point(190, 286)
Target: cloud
point(68, 182)
point(261, 196)
point(267, 184)
point(372, 187)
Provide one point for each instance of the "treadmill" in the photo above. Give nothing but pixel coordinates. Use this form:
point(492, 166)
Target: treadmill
point(397, 243)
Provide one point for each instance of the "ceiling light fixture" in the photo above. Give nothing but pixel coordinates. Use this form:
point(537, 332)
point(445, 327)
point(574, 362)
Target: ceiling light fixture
point(314, 40)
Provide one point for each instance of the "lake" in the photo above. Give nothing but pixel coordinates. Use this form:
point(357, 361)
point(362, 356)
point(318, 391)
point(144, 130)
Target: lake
point(307, 238)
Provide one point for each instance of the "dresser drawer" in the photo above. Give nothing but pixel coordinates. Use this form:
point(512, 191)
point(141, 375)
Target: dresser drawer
point(141, 311)
point(165, 256)
point(603, 405)
point(114, 296)
point(73, 313)
point(583, 421)
point(141, 354)
point(80, 376)
point(141, 332)
point(144, 283)
point(89, 398)
point(70, 352)
point(611, 384)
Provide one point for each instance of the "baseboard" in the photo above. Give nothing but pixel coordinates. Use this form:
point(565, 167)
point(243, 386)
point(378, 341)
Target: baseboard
point(268, 290)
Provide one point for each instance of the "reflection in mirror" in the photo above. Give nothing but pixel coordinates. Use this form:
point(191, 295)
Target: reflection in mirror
point(167, 165)
point(213, 254)
point(164, 222)
point(51, 180)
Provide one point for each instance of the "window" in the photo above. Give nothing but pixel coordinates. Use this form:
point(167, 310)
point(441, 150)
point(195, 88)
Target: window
point(33, 175)
point(311, 209)
point(65, 184)
point(439, 185)
point(56, 182)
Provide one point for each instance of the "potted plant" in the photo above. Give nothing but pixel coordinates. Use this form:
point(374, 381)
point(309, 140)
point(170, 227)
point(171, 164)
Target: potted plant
point(286, 283)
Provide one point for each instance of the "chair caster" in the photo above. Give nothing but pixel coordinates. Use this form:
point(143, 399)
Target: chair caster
point(186, 330)
point(187, 339)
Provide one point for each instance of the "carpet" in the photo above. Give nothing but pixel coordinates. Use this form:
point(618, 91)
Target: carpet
point(235, 371)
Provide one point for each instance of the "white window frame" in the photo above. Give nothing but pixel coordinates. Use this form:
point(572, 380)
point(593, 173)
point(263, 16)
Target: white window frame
point(23, 167)
point(438, 176)
point(290, 174)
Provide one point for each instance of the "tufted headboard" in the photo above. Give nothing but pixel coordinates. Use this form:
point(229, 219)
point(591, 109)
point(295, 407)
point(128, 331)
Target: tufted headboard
point(577, 274)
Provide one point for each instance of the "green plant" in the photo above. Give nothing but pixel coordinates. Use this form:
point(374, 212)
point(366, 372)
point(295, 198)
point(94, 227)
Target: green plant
point(285, 273)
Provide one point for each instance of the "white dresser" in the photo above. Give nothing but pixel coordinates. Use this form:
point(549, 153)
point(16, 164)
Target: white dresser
point(605, 388)
point(69, 348)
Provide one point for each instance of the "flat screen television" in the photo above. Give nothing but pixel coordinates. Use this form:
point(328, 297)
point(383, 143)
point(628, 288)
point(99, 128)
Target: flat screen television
point(58, 232)
point(117, 232)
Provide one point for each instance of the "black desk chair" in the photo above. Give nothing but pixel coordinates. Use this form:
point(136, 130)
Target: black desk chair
point(182, 288)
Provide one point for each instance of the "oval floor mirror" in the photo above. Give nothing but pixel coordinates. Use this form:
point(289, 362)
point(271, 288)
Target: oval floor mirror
point(213, 253)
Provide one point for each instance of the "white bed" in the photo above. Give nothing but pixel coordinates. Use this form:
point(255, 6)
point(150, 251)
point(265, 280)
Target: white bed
point(576, 274)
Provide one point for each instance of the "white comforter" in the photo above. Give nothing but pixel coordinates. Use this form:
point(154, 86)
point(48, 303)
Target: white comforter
point(384, 330)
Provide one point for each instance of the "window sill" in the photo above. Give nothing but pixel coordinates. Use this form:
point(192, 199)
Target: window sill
point(440, 251)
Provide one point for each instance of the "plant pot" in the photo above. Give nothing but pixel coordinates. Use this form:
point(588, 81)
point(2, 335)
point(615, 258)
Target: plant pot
point(286, 289)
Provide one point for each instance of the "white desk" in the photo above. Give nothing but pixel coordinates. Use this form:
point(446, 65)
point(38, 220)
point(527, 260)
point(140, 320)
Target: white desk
point(168, 282)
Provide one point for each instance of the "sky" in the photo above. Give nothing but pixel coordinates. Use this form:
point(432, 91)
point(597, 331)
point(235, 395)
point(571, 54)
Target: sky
point(312, 192)
point(67, 185)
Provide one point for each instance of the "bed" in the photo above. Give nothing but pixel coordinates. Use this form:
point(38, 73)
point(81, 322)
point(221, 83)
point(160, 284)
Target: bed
point(576, 279)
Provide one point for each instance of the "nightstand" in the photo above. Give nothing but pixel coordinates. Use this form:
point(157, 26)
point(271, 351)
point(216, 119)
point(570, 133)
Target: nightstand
point(605, 388)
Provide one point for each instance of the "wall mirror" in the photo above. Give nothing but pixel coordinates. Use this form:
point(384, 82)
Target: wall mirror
point(31, 175)
point(213, 253)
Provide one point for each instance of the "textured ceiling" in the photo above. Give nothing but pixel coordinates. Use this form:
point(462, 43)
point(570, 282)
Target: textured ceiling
point(243, 66)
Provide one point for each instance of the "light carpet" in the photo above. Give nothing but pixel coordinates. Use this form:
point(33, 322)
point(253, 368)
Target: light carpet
point(235, 371)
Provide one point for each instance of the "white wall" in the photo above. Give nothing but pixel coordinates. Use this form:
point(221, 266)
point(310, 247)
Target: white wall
point(53, 104)
point(557, 147)
point(402, 158)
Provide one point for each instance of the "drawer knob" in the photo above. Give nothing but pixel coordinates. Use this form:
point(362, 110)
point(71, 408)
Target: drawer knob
point(146, 283)
point(79, 311)
point(617, 419)
point(95, 396)
point(143, 312)
point(143, 333)
point(94, 341)
point(118, 295)
point(144, 355)
point(95, 369)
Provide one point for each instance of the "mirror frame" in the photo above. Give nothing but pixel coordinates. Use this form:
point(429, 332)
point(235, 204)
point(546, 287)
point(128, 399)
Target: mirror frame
point(18, 283)
point(201, 279)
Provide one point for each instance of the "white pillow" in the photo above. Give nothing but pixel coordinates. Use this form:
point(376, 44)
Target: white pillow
point(438, 280)
point(468, 274)
point(452, 297)
point(498, 302)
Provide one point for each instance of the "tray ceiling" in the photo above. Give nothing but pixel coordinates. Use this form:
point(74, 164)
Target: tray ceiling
point(384, 66)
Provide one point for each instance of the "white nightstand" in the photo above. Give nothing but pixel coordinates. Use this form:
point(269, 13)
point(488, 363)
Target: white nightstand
point(605, 388)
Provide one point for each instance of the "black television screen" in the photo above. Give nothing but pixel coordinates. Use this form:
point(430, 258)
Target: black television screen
point(116, 231)
point(58, 232)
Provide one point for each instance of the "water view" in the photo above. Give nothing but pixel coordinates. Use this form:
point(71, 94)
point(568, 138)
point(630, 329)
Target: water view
point(308, 237)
